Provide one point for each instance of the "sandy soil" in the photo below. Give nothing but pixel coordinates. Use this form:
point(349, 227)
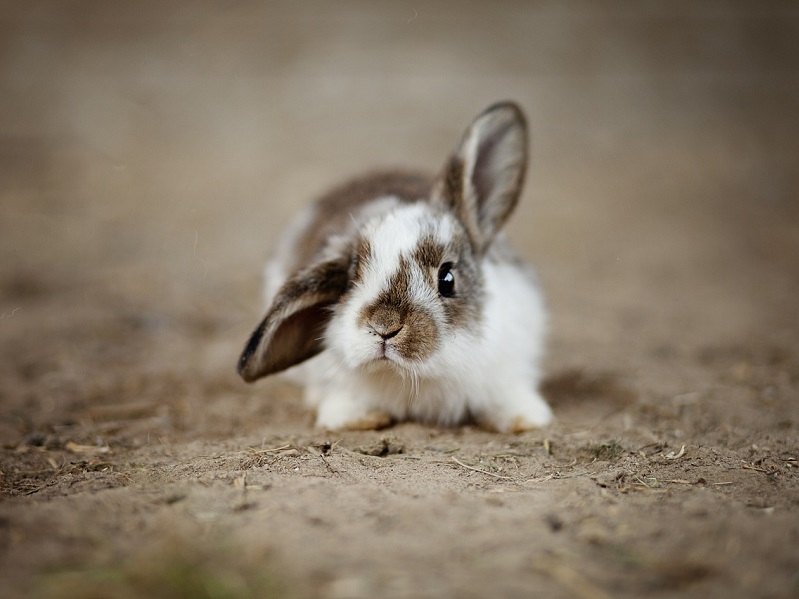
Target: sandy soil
point(149, 154)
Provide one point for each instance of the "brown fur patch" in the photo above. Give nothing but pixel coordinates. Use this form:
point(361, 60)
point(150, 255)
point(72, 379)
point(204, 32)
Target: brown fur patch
point(396, 293)
point(463, 309)
point(430, 254)
point(418, 334)
point(419, 337)
point(391, 308)
point(360, 259)
point(334, 210)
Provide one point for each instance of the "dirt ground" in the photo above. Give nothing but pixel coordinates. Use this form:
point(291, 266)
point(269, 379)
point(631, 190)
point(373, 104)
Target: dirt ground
point(151, 152)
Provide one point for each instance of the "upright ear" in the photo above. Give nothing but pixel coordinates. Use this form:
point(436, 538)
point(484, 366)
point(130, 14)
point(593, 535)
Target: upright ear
point(482, 181)
point(292, 329)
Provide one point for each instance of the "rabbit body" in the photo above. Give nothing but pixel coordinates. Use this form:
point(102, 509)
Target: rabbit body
point(403, 300)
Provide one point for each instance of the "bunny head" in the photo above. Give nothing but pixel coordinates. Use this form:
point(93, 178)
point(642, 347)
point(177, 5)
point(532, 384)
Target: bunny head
point(395, 280)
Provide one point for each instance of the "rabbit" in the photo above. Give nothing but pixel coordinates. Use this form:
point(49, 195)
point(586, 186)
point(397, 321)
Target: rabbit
point(406, 293)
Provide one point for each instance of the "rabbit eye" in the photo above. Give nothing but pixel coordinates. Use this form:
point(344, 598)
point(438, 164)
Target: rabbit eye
point(446, 280)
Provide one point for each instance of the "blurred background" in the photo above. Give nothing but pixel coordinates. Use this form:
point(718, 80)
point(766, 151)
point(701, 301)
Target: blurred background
point(151, 151)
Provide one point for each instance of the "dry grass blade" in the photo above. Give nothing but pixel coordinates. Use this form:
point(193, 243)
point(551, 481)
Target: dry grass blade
point(557, 475)
point(40, 487)
point(672, 456)
point(329, 467)
point(271, 450)
point(755, 468)
point(472, 468)
point(78, 448)
point(758, 469)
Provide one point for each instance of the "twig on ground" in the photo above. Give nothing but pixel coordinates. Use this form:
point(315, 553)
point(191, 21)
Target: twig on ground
point(272, 450)
point(758, 469)
point(457, 461)
point(672, 456)
point(329, 467)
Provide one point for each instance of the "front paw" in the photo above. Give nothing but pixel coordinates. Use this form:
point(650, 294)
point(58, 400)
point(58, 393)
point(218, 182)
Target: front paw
point(521, 424)
point(343, 413)
point(373, 421)
point(533, 413)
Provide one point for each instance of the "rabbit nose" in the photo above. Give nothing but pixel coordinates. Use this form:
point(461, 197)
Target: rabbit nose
point(390, 334)
point(384, 322)
point(387, 332)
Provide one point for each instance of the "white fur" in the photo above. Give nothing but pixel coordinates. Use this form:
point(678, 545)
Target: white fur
point(395, 235)
point(487, 369)
point(490, 373)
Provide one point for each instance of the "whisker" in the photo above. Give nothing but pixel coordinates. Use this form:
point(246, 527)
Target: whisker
point(334, 367)
point(415, 385)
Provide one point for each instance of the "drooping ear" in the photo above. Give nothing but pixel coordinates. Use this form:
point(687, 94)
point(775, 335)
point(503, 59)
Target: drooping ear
point(292, 329)
point(483, 179)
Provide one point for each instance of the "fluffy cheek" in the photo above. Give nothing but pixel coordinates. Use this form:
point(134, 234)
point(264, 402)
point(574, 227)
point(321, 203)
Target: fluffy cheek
point(352, 346)
point(418, 340)
point(349, 336)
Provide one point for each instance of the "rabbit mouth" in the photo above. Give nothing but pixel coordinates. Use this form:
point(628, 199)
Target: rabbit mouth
point(385, 352)
point(386, 355)
point(385, 349)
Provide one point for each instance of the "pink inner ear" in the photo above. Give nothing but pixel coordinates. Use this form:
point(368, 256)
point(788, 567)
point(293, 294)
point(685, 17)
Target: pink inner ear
point(484, 175)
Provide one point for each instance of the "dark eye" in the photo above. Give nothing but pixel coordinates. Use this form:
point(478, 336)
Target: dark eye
point(446, 280)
